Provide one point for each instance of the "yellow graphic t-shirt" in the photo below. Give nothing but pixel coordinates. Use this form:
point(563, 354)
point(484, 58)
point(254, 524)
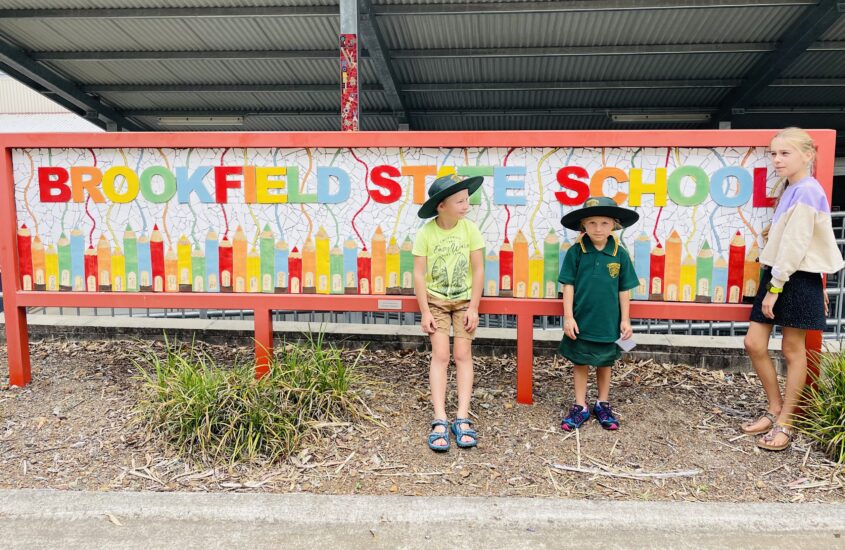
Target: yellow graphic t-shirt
point(449, 272)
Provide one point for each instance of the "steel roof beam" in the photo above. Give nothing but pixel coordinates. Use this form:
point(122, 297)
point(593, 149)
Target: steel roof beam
point(170, 13)
point(806, 30)
point(457, 86)
point(369, 31)
point(807, 82)
point(186, 55)
point(218, 88)
point(24, 65)
point(59, 100)
point(832, 109)
point(426, 87)
point(572, 85)
point(389, 10)
point(440, 53)
point(489, 8)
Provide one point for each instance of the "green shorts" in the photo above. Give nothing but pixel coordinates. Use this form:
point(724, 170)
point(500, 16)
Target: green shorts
point(587, 352)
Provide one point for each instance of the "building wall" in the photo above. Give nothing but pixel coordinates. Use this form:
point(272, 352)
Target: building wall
point(24, 110)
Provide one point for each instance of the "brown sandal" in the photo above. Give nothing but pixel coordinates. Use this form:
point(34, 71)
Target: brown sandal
point(773, 420)
point(765, 442)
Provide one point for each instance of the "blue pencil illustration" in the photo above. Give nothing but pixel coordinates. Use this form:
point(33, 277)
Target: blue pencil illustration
point(212, 263)
point(77, 260)
point(642, 262)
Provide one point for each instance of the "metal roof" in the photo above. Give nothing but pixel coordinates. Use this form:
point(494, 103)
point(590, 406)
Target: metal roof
point(435, 64)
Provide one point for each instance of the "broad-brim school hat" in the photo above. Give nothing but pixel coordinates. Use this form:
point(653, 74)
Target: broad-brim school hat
point(443, 188)
point(599, 206)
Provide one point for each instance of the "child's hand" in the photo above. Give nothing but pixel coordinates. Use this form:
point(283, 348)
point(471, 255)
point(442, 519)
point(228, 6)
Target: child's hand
point(471, 319)
point(428, 324)
point(570, 327)
point(769, 305)
point(626, 330)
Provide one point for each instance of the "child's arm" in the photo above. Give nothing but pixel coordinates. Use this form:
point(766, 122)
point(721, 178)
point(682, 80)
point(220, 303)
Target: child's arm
point(476, 258)
point(420, 266)
point(570, 327)
point(625, 310)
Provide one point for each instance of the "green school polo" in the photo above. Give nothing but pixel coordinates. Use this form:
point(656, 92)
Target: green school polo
point(598, 276)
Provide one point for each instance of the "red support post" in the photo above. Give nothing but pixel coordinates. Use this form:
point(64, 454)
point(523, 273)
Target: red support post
point(525, 358)
point(813, 342)
point(263, 319)
point(17, 339)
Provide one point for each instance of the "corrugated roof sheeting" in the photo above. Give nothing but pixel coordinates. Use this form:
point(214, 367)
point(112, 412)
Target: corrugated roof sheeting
point(614, 26)
point(552, 99)
point(604, 28)
point(86, 4)
point(539, 69)
point(256, 101)
point(220, 33)
point(207, 71)
point(817, 64)
point(545, 122)
point(822, 96)
point(286, 124)
point(836, 31)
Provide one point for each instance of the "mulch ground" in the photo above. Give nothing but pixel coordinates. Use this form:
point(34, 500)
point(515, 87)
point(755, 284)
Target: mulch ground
point(72, 429)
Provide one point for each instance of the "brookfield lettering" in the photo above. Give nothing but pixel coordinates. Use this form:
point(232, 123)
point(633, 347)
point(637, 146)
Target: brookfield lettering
point(730, 186)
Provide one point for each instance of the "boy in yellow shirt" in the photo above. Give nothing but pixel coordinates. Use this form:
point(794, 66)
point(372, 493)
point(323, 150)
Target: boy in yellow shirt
point(448, 281)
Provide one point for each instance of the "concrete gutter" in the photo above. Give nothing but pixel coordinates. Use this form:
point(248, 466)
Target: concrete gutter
point(45, 519)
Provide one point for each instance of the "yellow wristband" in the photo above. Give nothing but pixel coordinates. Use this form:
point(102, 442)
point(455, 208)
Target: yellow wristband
point(773, 289)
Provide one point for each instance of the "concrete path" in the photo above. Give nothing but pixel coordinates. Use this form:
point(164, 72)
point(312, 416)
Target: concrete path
point(35, 519)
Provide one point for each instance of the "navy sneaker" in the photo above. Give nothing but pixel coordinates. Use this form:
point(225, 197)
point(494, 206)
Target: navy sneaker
point(604, 414)
point(577, 416)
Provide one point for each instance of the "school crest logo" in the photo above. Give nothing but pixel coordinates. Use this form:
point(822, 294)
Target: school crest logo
point(613, 269)
point(591, 202)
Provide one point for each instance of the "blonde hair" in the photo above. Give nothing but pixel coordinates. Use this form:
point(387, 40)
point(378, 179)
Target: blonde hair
point(617, 225)
point(801, 140)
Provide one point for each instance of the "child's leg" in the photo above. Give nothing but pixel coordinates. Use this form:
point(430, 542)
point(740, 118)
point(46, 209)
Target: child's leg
point(757, 347)
point(579, 375)
point(465, 377)
point(795, 351)
point(437, 376)
point(603, 383)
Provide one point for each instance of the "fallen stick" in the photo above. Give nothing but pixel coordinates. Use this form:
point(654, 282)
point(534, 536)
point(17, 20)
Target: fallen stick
point(339, 468)
point(552, 478)
point(764, 474)
point(613, 488)
point(578, 444)
point(628, 475)
point(144, 476)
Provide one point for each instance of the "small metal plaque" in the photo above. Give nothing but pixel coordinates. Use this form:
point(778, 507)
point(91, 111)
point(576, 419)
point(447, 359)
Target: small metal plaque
point(390, 304)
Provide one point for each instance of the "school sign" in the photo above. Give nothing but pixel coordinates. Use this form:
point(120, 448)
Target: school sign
point(326, 219)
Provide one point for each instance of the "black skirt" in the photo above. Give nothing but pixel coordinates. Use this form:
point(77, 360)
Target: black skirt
point(800, 305)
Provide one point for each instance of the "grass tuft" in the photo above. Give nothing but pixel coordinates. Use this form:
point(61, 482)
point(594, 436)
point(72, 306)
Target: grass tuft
point(823, 420)
point(220, 413)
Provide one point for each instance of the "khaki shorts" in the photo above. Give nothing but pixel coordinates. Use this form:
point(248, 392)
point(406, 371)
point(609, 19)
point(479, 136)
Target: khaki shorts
point(450, 313)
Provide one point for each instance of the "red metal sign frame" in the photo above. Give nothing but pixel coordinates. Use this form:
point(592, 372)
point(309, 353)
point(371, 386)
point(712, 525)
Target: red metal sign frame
point(17, 300)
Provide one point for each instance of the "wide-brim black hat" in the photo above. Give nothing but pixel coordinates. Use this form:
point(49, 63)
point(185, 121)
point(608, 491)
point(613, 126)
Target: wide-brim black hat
point(599, 206)
point(443, 188)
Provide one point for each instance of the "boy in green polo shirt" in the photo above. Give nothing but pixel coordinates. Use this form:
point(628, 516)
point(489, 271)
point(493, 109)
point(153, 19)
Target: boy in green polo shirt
point(448, 281)
point(597, 274)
